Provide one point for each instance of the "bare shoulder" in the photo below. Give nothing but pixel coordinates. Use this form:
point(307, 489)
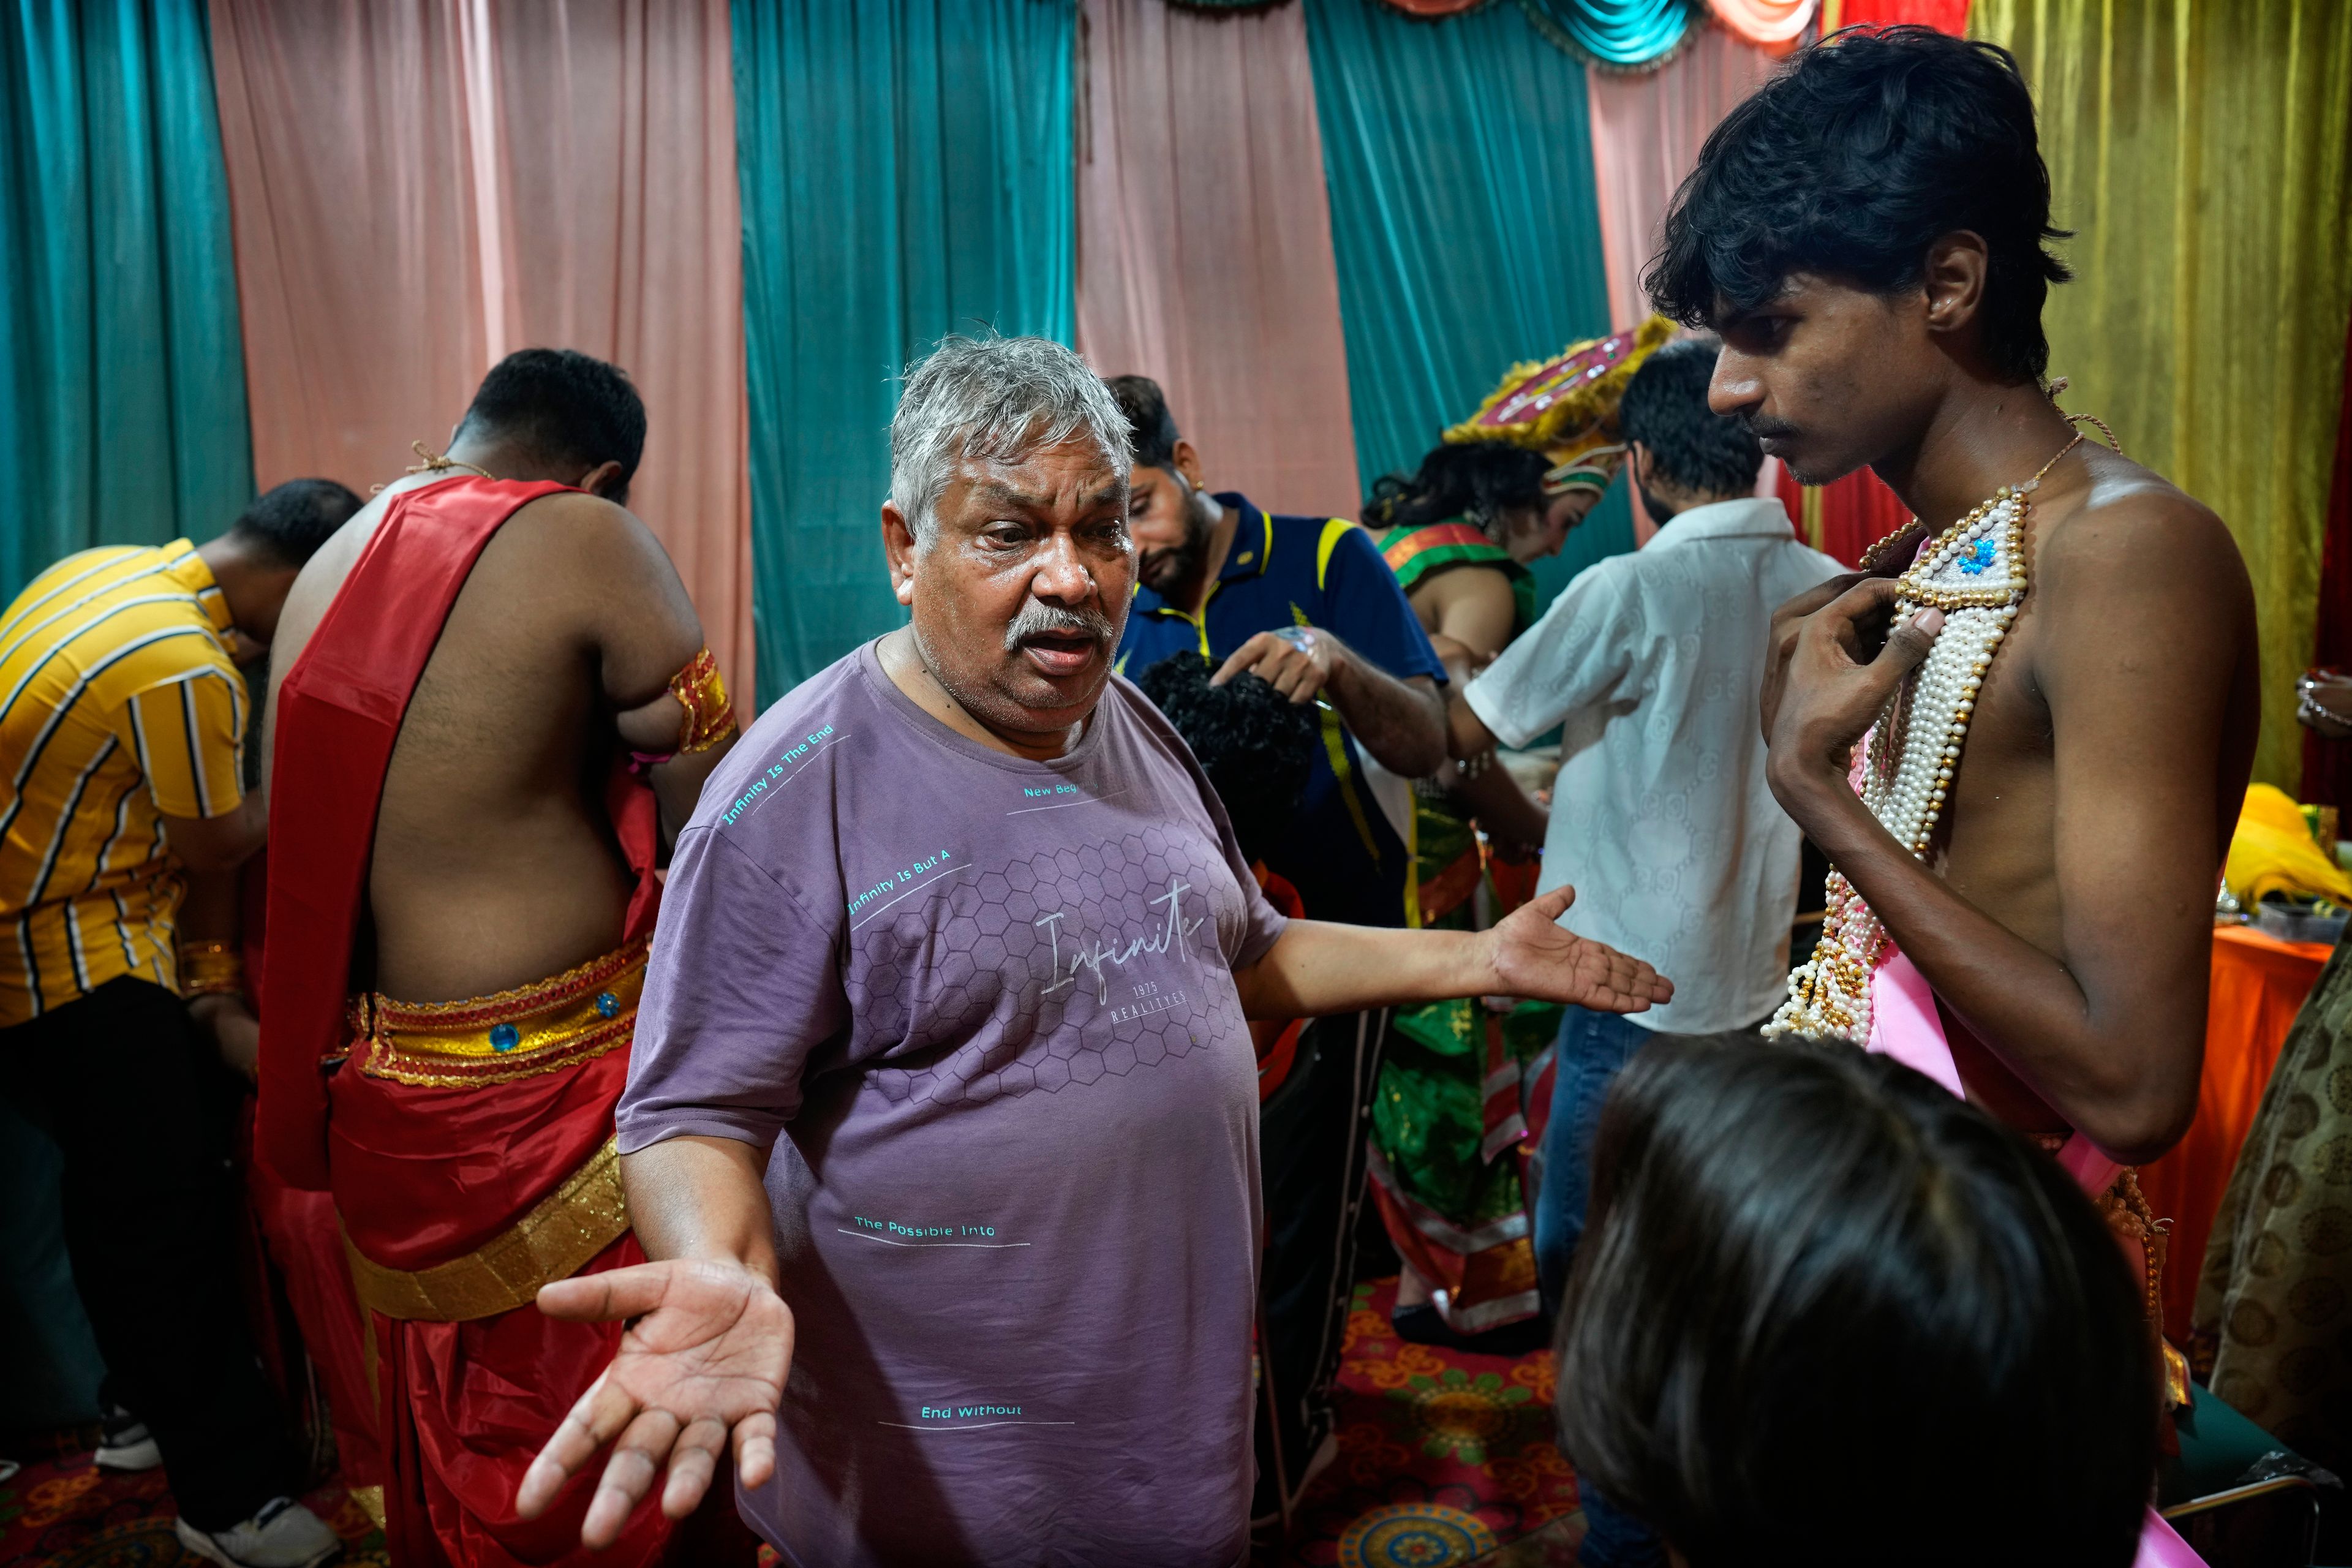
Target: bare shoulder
point(2125, 529)
point(2137, 588)
point(1464, 582)
point(593, 556)
point(573, 532)
point(320, 579)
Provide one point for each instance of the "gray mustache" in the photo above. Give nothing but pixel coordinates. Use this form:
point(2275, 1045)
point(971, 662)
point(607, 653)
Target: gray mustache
point(1039, 619)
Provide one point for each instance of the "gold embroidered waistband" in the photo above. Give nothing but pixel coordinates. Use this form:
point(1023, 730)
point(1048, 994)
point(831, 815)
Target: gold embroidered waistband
point(535, 1028)
point(554, 1241)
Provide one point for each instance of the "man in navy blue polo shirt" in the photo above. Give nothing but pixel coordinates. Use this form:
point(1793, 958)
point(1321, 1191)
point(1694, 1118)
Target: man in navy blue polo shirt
point(1308, 603)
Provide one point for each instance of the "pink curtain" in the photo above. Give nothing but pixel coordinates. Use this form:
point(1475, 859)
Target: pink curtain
point(1646, 132)
point(1204, 242)
point(420, 186)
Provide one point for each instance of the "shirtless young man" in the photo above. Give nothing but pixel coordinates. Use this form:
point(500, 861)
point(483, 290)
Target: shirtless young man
point(2030, 867)
point(479, 674)
point(1866, 235)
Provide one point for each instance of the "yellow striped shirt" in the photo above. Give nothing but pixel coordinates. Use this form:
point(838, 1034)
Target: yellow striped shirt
point(118, 702)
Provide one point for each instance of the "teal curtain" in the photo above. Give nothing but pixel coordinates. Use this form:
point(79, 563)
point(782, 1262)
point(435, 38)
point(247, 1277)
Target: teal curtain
point(907, 170)
point(1463, 222)
point(1613, 33)
point(121, 373)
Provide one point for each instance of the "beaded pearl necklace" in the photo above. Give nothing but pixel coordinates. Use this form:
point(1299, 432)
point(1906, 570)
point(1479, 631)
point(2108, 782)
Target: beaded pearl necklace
point(1975, 572)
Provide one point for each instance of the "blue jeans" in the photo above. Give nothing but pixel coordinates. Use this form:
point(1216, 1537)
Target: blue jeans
point(1593, 1048)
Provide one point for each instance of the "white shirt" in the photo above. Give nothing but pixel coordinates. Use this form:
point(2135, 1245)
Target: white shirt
point(1660, 817)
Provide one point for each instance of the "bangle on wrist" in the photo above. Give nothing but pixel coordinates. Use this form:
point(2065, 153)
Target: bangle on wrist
point(210, 968)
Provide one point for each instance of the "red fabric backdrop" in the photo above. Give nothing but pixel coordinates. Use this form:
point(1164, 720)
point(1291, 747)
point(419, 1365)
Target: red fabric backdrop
point(1944, 15)
point(1845, 517)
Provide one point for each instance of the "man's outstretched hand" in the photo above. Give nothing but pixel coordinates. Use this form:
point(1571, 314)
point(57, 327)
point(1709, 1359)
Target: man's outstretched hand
point(702, 1363)
point(1531, 956)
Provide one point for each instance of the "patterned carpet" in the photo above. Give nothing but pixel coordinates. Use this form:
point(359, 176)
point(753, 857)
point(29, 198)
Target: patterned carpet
point(1444, 1458)
point(61, 1511)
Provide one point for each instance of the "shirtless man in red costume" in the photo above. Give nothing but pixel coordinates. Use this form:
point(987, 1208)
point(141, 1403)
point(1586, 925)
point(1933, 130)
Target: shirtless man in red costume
point(2027, 920)
point(478, 677)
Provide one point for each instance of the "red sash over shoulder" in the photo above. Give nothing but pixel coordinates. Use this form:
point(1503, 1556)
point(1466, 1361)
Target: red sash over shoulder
point(339, 715)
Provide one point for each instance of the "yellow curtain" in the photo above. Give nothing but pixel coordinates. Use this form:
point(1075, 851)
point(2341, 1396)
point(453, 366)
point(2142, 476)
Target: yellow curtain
point(2199, 151)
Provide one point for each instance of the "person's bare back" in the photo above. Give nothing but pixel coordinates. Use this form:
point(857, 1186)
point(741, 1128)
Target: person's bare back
point(495, 864)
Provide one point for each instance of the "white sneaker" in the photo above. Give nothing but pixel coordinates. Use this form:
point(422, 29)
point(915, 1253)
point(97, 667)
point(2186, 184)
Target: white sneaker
point(284, 1534)
point(125, 1444)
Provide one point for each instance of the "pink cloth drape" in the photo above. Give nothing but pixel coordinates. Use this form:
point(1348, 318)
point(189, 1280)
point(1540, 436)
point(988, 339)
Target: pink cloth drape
point(1776, 25)
point(419, 187)
point(1646, 133)
point(1204, 242)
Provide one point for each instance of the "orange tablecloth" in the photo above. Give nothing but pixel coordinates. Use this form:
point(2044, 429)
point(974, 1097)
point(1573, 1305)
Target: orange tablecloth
point(2259, 984)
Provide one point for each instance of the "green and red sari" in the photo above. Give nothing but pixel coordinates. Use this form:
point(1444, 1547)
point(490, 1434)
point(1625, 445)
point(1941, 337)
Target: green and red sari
point(1448, 1132)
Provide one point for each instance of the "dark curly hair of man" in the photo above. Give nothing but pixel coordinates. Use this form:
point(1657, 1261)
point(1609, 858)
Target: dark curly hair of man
point(1256, 745)
point(1857, 155)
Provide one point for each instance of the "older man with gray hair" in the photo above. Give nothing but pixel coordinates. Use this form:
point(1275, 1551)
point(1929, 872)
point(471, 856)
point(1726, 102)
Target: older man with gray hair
point(942, 1125)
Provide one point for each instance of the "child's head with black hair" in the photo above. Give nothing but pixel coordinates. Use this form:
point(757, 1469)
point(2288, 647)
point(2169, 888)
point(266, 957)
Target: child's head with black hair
point(1681, 452)
point(1256, 745)
point(1813, 1287)
point(1869, 221)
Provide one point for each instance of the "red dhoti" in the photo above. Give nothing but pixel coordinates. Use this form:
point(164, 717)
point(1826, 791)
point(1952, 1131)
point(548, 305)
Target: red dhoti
point(445, 1119)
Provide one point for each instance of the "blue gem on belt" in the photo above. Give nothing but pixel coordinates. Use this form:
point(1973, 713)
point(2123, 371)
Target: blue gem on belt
point(607, 1004)
point(504, 1038)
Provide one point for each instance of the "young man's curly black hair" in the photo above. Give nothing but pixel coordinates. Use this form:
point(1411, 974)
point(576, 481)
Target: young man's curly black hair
point(1256, 745)
point(1849, 163)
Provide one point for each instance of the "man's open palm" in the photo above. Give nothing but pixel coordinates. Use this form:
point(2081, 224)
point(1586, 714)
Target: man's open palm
point(1533, 957)
point(703, 1361)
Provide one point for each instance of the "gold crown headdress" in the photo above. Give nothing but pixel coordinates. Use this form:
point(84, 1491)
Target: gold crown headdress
point(1566, 407)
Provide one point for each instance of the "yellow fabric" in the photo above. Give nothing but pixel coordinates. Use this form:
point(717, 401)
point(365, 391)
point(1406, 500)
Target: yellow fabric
point(118, 700)
point(1333, 532)
point(2199, 152)
point(2273, 852)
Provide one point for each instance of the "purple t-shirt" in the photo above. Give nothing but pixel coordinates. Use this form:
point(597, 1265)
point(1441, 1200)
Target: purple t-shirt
point(988, 1003)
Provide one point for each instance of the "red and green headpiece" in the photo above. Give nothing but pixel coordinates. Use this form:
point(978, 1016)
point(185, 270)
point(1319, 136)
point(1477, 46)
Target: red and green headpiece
point(1566, 407)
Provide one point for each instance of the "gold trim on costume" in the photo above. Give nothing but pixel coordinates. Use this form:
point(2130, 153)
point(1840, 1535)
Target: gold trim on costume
point(531, 1029)
point(2126, 1212)
point(554, 1241)
point(1566, 407)
point(709, 715)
